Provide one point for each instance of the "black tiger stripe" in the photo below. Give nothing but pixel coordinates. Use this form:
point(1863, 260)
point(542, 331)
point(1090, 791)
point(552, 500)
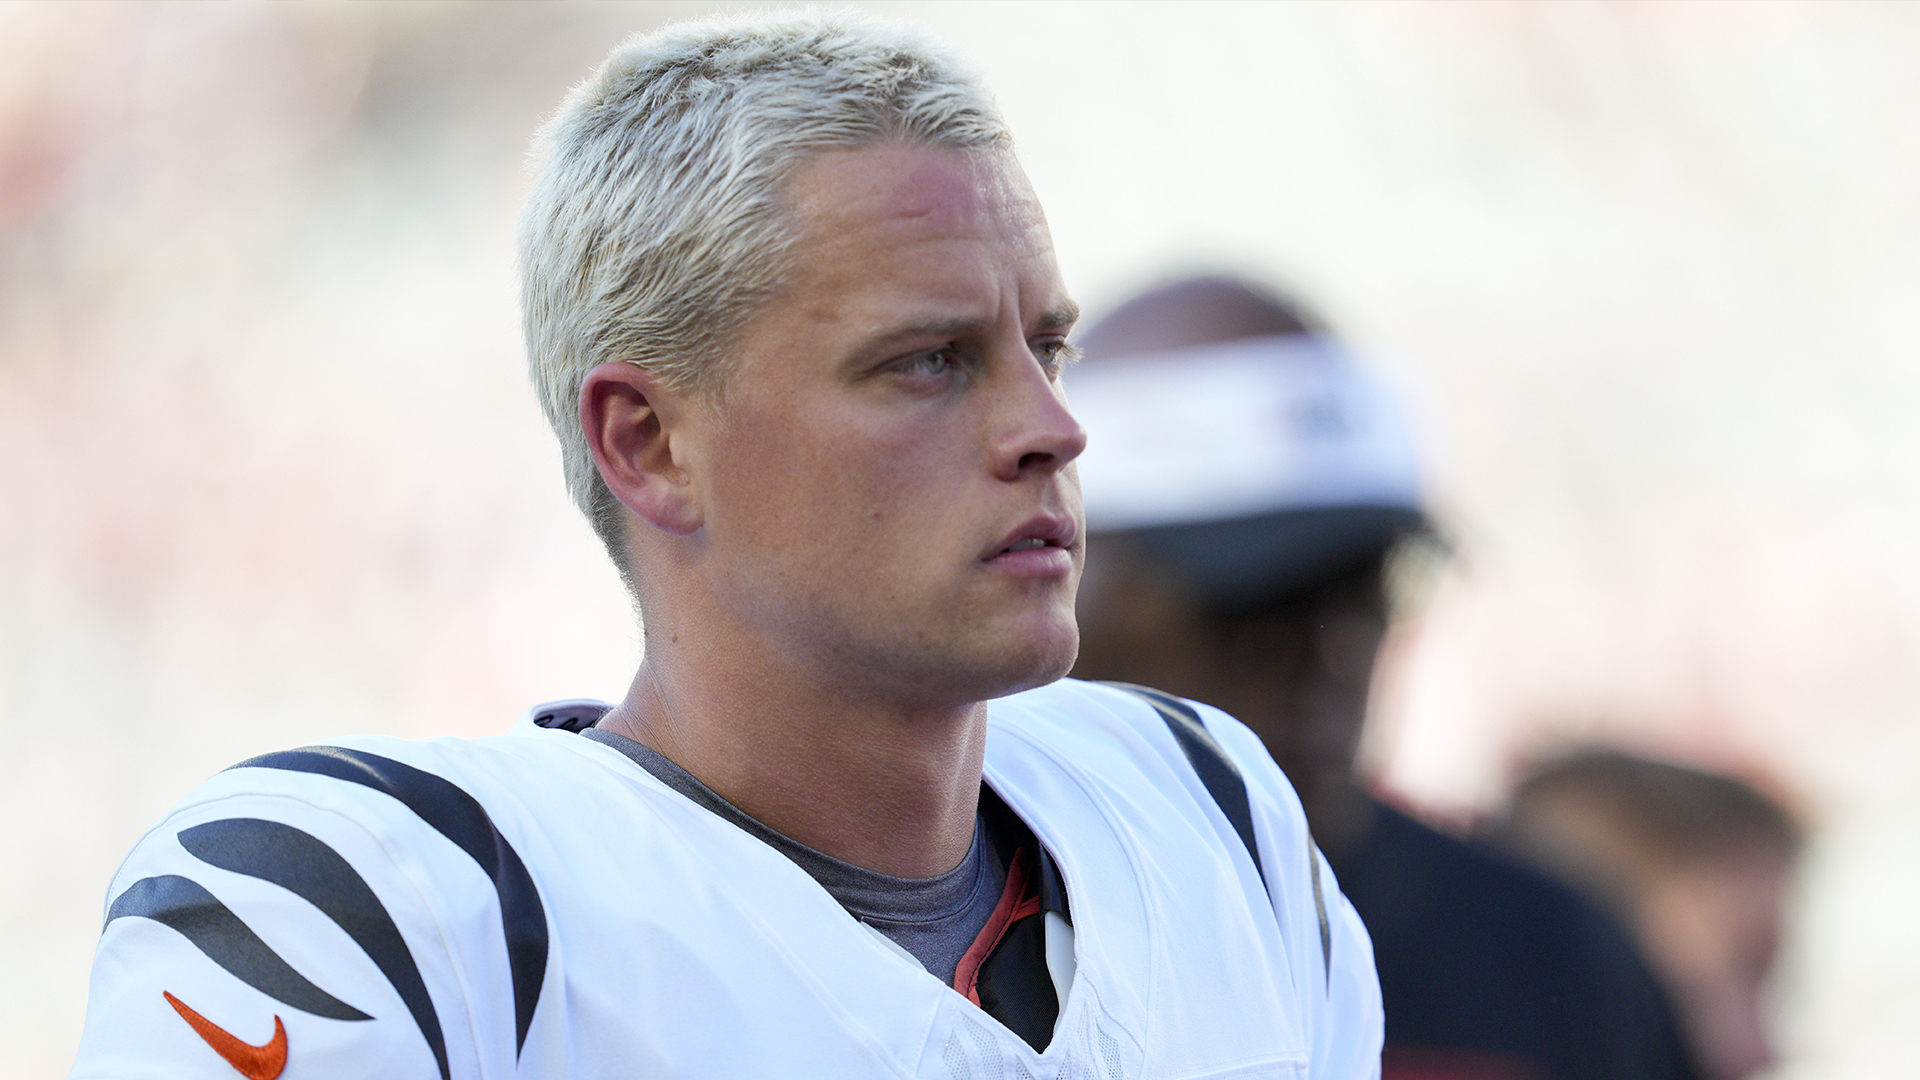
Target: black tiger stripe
point(1222, 779)
point(460, 818)
point(1217, 772)
point(199, 916)
point(305, 866)
point(1320, 906)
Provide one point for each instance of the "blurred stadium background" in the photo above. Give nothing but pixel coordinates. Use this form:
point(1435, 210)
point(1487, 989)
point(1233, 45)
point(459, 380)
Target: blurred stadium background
point(270, 471)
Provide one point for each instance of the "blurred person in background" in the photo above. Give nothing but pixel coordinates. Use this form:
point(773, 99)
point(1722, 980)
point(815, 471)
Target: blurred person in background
point(1247, 486)
point(1698, 864)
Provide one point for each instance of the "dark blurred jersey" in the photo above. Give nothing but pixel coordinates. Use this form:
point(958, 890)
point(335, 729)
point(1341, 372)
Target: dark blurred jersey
point(1491, 971)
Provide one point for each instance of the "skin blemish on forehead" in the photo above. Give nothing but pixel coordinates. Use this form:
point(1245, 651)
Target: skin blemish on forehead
point(987, 178)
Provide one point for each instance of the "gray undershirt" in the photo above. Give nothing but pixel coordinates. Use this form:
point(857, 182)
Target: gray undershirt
point(936, 919)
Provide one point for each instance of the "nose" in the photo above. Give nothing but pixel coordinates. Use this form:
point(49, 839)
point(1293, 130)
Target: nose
point(1033, 431)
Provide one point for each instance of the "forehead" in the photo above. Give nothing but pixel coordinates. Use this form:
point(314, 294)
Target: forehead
point(931, 186)
point(896, 245)
point(895, 201)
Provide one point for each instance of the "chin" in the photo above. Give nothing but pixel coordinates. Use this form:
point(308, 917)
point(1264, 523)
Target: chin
point(984, 659)
point(1048, 658)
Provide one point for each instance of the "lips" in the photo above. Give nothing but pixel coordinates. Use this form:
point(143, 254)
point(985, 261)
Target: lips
point(1036, 534)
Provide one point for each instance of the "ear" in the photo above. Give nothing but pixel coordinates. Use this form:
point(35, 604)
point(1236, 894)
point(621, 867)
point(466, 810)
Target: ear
point(633, 423)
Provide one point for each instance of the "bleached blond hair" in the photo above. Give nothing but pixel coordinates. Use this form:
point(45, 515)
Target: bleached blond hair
point(659, 221)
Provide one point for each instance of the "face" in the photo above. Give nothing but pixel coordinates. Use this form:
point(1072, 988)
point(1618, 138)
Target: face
point(1712, 930)
point(886, 485)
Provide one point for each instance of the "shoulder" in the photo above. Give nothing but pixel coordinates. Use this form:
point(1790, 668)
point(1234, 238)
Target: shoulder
point(1189, 740)
point(1075, 713)
point(456, 829)
point(1145, 753)
point(339, 891)
point(1157, 758)
point(398, 791)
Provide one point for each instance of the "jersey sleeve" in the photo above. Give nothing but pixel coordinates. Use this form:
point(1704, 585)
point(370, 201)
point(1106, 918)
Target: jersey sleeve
point(292, 924)
point(1341, 994)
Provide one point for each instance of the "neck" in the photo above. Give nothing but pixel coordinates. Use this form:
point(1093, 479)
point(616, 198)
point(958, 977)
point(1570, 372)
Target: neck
point(888, 788)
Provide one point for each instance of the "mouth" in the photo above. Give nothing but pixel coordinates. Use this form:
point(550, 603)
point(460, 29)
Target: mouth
point(1039, 534)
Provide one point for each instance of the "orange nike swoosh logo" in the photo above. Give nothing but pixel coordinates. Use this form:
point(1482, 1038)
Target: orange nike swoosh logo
point(262, 1062)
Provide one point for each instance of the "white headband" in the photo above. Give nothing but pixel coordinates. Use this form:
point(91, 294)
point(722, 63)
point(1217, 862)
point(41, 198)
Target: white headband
point(1237, 429)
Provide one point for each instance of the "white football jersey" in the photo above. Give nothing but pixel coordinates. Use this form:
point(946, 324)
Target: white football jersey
point(535, 904)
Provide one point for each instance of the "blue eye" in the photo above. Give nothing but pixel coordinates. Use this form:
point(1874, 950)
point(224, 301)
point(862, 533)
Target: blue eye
point(937, 362)
point(1054, 355)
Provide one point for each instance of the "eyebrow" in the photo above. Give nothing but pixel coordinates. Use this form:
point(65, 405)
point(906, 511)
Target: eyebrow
point(1053, 319)
point(931, 328)
point(1062, 317)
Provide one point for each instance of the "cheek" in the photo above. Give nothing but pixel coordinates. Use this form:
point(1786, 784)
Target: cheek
point(883, 493)
point(908, 497)
point(765, 487)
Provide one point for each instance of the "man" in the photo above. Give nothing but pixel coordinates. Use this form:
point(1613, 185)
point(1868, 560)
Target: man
point(1698, 864)
point(795, 316)
point(1258, 583)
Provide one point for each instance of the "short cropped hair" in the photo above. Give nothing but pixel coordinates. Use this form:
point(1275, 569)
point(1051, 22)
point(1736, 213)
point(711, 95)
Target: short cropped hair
point(1658, 814)
point(659, 221)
